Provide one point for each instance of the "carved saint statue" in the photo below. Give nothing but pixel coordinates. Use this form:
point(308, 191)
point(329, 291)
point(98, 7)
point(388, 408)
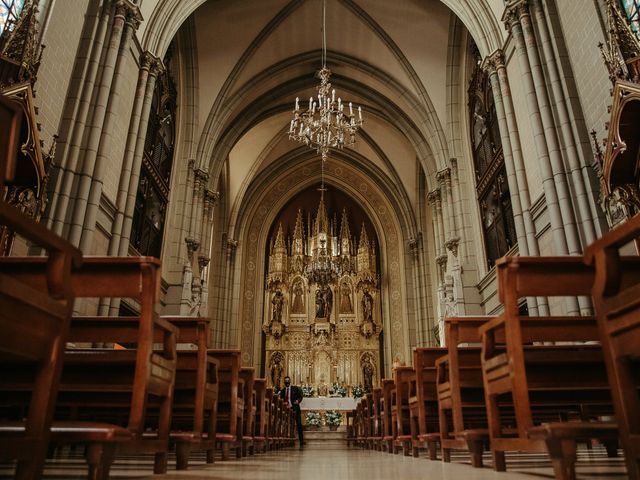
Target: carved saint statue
point(367, 374)
point(324, 302)
point(345, 298)
point(319, 304)
point(298, 291)
point(276, 306)
point(367, 306)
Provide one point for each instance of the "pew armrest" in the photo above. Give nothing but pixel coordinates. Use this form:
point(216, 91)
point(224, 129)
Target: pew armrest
point(491, 325)
point(616, 238)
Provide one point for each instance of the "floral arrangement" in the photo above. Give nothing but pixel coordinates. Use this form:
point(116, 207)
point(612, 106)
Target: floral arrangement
point(357, 391)
point(338, 390)
point(307, 390)
point(333, 417)
point(312, 418)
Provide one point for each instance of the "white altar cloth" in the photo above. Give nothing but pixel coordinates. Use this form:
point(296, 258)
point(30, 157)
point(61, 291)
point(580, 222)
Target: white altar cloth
point(328, 403)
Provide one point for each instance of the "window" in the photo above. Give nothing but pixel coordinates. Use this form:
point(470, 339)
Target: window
point(153, 190)
point(9, 12)
point(632, 7)
point(492, 189)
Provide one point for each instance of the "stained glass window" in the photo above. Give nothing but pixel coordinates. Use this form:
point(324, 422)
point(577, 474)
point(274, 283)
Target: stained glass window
point(9, 11)
point(632, 8)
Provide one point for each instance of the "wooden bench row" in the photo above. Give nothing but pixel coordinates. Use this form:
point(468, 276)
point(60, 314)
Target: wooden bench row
point(143, 398)
point(525, 383)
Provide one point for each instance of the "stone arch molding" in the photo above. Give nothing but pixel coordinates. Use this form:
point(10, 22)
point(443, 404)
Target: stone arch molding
point(168, 15)
point(252, 235)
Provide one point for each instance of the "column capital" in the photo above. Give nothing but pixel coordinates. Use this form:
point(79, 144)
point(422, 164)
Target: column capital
point(212, 197)
point(444, 176)
point(513, 11)
point(434, 196)
point(201, 175)
point(152, 63)
point(494, 61)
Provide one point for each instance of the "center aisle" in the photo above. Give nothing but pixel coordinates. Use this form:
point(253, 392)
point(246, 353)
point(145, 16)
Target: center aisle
point(332, 462)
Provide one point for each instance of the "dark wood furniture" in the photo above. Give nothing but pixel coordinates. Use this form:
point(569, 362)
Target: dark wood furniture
point(34, 321)
point(230, 401)
point(616, 297)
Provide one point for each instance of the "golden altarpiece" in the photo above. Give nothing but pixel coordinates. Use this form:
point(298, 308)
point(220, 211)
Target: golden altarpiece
point(322, 305)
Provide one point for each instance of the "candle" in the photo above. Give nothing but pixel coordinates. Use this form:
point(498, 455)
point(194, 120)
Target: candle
point(350, 109)
point(333, 95)
point(360, 113)
point(297, 103)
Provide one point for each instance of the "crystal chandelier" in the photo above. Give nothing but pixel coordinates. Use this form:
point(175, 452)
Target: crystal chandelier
point(325, 124)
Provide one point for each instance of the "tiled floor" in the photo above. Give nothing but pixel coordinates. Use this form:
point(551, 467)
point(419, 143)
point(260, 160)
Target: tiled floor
point(336, 462)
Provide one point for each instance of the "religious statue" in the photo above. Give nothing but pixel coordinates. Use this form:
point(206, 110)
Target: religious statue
point(277, 302)
point(367, 374)
point(328, 300)
point(319, 304)
point(367, 306)
point(298, 292)
point(323, 389)
point(345, 298)
point(324, 302)
point(276, 370)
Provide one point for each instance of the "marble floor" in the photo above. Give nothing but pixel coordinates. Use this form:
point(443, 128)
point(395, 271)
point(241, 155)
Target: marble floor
point(339, 462)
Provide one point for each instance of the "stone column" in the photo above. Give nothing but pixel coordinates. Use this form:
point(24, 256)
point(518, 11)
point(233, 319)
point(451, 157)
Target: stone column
point(133, 19)
point(554, 182)
point(444, 181)
point(457, 198)
point(232, 246)
point(573, 160)
point(97, 122)
point(155, 69)
point(69, 162)
point(127, 162)
point(492, 63)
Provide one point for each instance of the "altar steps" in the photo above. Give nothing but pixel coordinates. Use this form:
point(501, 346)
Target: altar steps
point(325, 438)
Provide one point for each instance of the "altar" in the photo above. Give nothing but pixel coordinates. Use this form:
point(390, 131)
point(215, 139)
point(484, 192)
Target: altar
point(329, 403)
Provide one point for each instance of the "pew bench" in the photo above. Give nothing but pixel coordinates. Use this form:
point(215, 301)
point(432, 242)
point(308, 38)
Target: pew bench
point(616, 298)
point(404, 385)
point(195, 405)
point(231, 402)
point(461, 409)
point(542, 382)
point(39, 337)
point(423, 405)
point(107, 385)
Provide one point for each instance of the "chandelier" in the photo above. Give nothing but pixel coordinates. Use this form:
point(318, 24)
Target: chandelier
point(325, 124)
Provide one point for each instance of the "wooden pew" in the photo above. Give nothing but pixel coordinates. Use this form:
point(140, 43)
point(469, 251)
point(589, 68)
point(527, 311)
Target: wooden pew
point(386, 400)
point(616, 297)
point(404, 380)
point(423, 405)
point(114, 386)
point(461, 408)
point(195, 405)
point(375, 431)
point(230, 401)
point(34, 322)
point(261, 428)
point(544, 382)
point(247, 374)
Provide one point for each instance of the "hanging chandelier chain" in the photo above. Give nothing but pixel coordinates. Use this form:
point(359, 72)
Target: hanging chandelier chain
point(325, 124)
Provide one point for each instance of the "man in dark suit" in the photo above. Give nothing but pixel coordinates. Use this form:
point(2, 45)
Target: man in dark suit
point(292, 396)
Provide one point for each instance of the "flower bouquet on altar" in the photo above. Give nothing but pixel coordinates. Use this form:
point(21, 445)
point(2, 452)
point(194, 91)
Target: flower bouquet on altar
point(312, 420)
point(307, 390)
point(357, 391)
point(337, 390)
point(333, 419)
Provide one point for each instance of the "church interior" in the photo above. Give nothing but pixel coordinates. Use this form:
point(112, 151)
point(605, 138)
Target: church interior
point(423, 214)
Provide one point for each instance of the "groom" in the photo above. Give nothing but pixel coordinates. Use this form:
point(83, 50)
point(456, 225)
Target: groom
point(292, 396)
